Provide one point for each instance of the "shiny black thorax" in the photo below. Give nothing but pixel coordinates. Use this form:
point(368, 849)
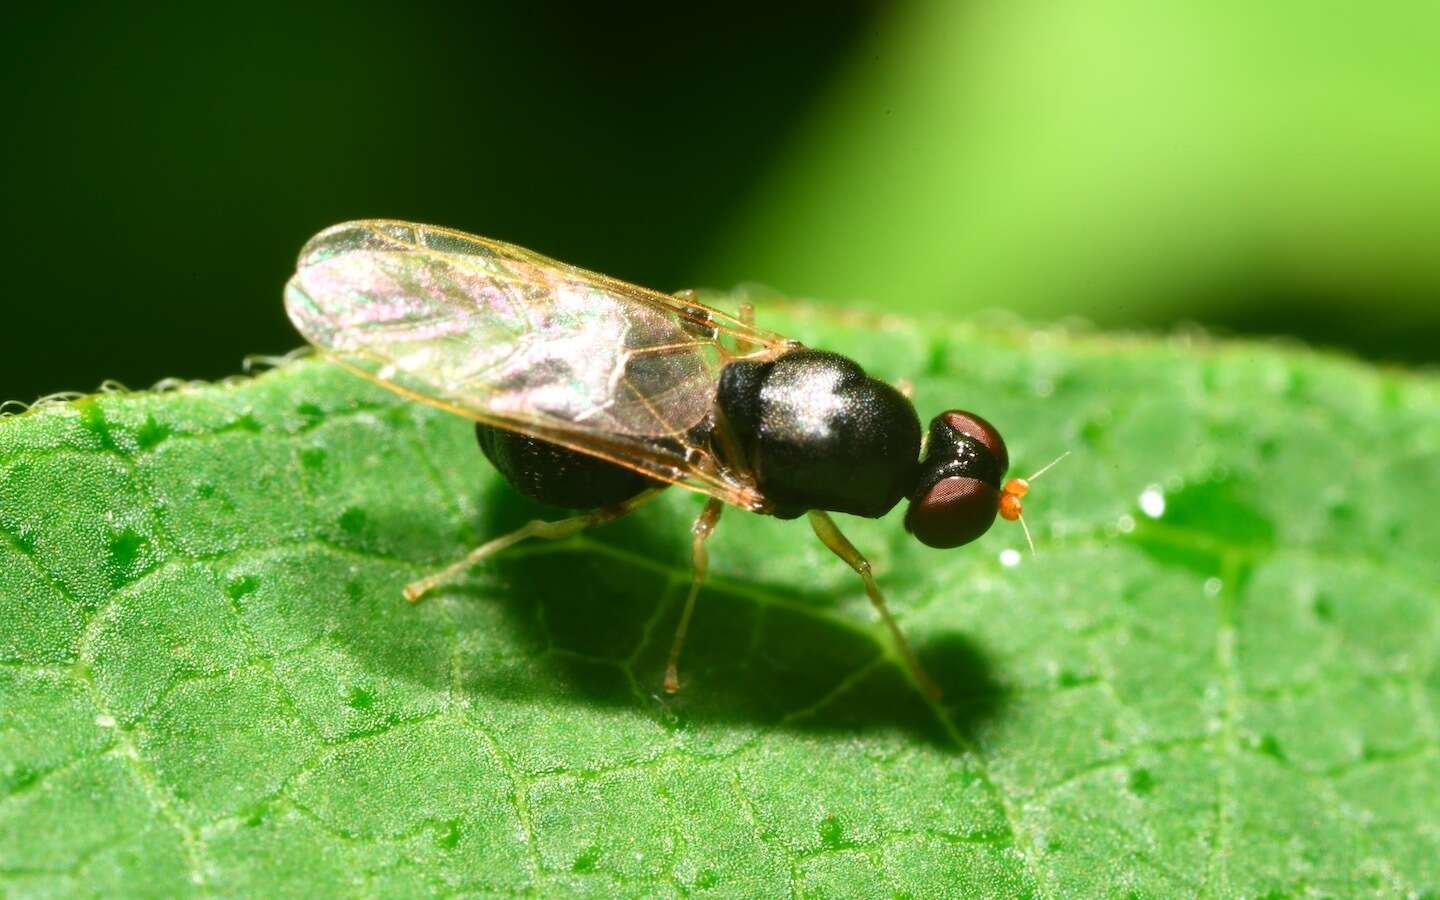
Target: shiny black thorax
point(816, 432)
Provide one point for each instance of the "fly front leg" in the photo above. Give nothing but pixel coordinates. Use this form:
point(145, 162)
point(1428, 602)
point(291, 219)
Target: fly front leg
point(702, 529)
point(829, 534)
point(536, 528)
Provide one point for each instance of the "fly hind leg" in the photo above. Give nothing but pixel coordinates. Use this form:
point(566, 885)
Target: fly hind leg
point(704, 526)
point(536, 528)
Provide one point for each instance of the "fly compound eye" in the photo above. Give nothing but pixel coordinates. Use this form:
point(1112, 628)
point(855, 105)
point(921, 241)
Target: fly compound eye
point(953, 511)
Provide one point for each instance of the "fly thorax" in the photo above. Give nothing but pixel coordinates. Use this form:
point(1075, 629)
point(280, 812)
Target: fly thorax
point(818, 433)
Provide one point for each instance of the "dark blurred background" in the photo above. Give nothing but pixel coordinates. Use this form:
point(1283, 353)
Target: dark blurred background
point(1266, 168)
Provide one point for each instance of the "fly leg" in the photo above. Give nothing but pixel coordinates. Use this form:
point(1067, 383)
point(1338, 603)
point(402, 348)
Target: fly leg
point(536, 528)
point(702, 529)
point(829, 534)
point(747, 318)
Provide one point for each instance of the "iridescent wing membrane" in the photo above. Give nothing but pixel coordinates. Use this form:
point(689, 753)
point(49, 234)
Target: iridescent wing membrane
point(504, 336)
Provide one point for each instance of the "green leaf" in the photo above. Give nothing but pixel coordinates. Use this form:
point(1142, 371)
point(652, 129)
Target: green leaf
point(209, 681)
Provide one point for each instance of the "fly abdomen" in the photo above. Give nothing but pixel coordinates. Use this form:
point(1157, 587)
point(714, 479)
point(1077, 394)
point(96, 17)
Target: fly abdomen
point(556, 475)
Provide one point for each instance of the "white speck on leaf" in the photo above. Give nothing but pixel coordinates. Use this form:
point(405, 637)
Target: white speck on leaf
point(1152, 501)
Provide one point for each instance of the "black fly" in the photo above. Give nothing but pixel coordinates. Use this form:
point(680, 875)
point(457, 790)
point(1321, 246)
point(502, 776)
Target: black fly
point(592, 394)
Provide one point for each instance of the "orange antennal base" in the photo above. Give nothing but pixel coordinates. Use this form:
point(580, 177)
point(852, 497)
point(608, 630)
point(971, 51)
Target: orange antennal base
point(1011, 508)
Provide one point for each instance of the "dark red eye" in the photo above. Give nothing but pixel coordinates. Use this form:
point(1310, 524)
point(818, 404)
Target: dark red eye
point(952, 512)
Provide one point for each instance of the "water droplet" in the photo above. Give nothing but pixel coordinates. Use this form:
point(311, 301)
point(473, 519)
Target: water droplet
point(1043, 387)
point(1009, 557)
point(1213, 586)
point(1126, 524)
point(1152, 501)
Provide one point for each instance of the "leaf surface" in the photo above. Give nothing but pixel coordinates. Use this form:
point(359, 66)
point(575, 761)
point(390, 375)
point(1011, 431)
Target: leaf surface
point(1218, 677)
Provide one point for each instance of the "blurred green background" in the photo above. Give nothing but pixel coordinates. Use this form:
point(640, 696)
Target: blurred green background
point(1260, 168)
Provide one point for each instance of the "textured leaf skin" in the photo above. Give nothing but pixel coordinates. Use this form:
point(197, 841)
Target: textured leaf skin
point(209, 682)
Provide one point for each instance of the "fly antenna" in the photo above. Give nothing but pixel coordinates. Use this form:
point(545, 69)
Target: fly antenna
point(1028, 539)
point(1048, 466)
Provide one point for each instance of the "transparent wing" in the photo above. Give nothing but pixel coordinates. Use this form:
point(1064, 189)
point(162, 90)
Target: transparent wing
point(511, 338)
